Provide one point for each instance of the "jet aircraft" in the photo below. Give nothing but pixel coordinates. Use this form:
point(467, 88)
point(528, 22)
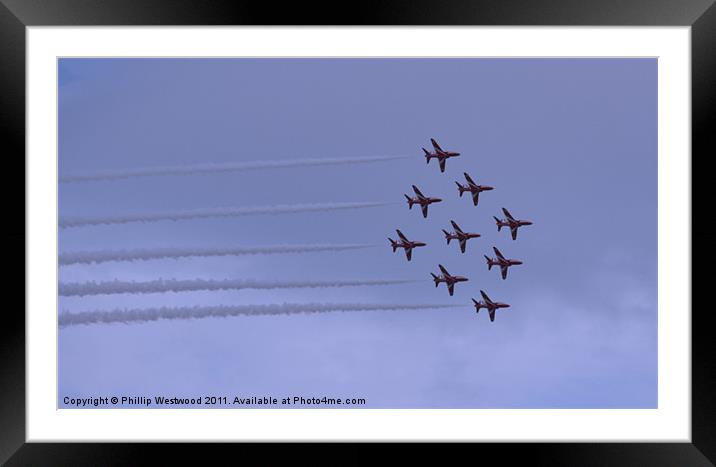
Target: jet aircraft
point(422, 200)
point(510, 222)
point(501, 261)
point(473, 188)
point(449, 280)
point(439, 154)
point(459, 235)
point(489, 305)
point(405, 243)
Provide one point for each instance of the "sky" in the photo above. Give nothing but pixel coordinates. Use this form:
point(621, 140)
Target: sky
point(570, 144)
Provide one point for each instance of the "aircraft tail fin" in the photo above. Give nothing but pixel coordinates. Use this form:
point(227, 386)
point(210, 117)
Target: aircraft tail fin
point(499, 226)
point(460, 188)
point(393, 244)
point(447, 236)
point(489, 263)
point(436, 279)
point(427, 155)
point(410, 201)
point(477, 305)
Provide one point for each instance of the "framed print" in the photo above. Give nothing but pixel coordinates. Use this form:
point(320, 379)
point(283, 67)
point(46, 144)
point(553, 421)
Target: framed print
point(426, 223)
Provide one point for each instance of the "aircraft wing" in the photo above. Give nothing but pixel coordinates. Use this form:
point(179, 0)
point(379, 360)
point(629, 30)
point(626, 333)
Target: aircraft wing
point(456, 227)
point(507, 213)
point(475, 197)
point(497, 252)
point(504, 272)
point(485, 297)
point(417, 192)
point(514, 232)
point(424, 208)
point(402, 237)
point(463, 244)
point(436, 146)
point(409, 253)
point(492, 314)
point(442, 164)
point(443, 270)
point(451, 288)
point(469, 180)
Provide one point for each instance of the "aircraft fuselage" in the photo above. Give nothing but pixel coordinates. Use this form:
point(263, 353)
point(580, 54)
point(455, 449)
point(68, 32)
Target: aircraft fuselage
point(441, 155)
point(452, 279)
point(402, 244)
point(423, 201)
point(461, 236)
point(512, 224)
point(429, 200)
point(449, 281)
point(473, 188)
point(490, 306)
point(503, 262)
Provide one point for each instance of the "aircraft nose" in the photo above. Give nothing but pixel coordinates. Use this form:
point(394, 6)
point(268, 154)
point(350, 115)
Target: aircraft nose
point(507, 306)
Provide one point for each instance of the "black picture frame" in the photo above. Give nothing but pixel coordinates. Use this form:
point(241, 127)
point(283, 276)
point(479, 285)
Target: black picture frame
point(16, 15)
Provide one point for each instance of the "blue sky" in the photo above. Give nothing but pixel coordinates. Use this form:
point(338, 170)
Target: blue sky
point(568, 143)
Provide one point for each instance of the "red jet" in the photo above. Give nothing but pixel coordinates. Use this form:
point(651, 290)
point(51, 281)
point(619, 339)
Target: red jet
point(510, 222)
point(502, 262)
point(422, 200)
point(449, 280)
point(459, 235)
point(405, 243)
point(473, 188)
point(489, 304)
point(439, 154)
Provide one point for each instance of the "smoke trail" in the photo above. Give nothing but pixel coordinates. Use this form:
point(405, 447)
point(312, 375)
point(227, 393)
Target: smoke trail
point(154, 314)
point(174, 285)
point(213, 168)
point(213, 212)
point(102, 256)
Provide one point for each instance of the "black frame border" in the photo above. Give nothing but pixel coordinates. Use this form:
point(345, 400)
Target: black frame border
point(16, 15)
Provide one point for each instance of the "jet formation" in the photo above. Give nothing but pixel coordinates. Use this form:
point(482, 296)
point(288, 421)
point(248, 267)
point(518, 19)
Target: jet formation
point(458, 234)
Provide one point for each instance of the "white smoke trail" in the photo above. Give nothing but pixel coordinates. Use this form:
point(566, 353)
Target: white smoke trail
point(102, 256)
point(175, 285)
point(213, 168)
point(213, 212)
point(154, 314)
